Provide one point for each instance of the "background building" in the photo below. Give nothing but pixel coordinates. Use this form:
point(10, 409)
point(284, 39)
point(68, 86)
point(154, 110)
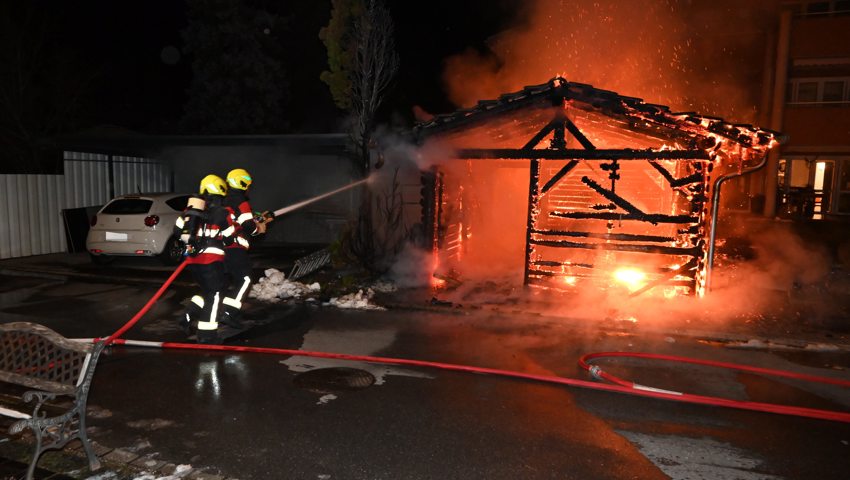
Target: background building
point(808, 86)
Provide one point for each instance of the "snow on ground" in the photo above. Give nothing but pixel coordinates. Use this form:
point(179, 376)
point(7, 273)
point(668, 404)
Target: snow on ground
point(180, 472)
point(275, 287)
point(360, 300)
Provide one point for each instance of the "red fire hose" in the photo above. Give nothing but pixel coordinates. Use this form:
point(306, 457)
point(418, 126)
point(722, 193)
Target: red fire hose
point(148, 305)
point(619, 385)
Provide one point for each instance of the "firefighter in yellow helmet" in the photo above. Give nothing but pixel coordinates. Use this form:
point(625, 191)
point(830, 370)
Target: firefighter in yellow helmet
point(207, 229)
point(237, 261)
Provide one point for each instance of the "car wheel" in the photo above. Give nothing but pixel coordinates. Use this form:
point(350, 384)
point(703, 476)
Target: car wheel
point(172, 254)
point(101, 259)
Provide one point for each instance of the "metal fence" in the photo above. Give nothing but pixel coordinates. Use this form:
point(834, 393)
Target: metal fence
point(34, 205)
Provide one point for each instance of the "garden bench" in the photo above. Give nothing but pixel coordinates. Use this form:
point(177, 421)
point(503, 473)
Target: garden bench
point(37, 358)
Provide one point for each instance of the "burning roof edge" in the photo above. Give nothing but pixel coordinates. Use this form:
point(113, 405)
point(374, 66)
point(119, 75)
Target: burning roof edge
point(586, 97)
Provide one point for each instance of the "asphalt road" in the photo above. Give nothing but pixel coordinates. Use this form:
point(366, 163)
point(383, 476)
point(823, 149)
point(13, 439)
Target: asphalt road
point(253, 416)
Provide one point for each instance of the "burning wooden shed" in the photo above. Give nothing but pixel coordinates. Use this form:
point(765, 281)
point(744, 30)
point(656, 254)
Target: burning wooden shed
point(575, 187)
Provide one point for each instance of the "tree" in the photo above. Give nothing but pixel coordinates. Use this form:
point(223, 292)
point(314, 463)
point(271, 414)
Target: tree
point(238, 84)
point(42, 86)
point(363, 62)
point(338, 37)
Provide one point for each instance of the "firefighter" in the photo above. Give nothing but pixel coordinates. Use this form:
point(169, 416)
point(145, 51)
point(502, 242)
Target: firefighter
point(248, 226)
point(207, 229)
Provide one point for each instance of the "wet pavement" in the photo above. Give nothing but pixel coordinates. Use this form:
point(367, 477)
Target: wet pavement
point(159, 413)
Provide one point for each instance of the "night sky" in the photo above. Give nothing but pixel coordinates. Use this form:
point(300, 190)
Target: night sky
point(139, 79)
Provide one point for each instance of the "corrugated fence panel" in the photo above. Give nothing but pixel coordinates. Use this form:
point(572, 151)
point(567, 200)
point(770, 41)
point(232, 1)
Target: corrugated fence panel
point(135, 175)
point(34, 222)
point(10, 236)
point(86, 179)
point(33, 204)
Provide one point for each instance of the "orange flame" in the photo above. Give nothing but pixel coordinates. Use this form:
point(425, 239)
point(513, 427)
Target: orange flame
point(632, 278)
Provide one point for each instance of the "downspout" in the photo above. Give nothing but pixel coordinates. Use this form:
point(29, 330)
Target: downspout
point(777, 112)
point(715, 205)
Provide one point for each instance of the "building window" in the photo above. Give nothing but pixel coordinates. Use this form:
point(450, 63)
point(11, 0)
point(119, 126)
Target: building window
point(844, 188)
point(807, 92)
point(814, 8)
point(819, 90)
point(833, 91)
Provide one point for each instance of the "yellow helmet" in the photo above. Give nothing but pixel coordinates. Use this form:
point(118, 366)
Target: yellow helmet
point(239, 178)
point(213, 185)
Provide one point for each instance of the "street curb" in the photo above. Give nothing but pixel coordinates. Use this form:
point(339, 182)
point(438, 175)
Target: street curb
point(54, 275)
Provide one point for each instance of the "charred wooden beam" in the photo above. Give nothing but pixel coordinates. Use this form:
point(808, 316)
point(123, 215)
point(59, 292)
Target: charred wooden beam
point(610, 195)
point(653, 218)
point(558, 176)
point(576, 133)
point(579, 154)
point(541, 274)
point(667, 279)
point(677, 182)
point(552, 263)
point(539, 136)
point(640, 248)
point(531, 219)
point(549, 273)
point(627, 237)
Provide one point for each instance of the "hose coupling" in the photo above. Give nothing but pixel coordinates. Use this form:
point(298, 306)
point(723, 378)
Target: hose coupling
point(595, 372)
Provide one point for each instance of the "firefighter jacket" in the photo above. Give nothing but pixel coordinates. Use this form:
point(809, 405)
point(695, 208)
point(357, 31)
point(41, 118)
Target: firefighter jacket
point(242, 216)
point(207, 232)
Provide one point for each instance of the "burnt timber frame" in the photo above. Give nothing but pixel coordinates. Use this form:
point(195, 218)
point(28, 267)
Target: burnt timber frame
point(557, 150)
point(703, 137)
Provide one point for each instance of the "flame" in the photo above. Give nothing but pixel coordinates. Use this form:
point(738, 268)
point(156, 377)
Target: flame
point(570, 280)
point(632, 278)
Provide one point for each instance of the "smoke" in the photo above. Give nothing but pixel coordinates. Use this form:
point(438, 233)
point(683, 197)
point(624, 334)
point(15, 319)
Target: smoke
point(696, 55)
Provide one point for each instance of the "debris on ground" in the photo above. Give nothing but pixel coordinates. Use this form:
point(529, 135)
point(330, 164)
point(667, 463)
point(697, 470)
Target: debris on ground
point(275, 287)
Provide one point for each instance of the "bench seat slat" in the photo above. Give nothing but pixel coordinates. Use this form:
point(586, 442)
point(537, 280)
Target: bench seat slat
point(8, 412)
point(38, 384)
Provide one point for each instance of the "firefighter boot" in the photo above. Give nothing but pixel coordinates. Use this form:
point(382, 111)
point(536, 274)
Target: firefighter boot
point(193, 311)
point(231, 311)
point(209, 337)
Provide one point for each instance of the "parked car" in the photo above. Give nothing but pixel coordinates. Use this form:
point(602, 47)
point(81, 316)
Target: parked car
point(139, 226)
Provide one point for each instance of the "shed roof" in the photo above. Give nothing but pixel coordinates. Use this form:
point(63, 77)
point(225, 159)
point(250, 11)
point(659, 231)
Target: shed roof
point(628, 113)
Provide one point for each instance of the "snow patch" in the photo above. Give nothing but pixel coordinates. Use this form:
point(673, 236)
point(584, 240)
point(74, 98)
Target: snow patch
point(360, 301)
point(686, 458)
point(153, 424)
point(275, 287)
point(180, 472)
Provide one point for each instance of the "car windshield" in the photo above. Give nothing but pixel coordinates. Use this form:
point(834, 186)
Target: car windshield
point(178, 203)
point(128, 206)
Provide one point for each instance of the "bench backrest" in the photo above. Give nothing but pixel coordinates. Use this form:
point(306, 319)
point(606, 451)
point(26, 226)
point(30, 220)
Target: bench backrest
point(35, 356)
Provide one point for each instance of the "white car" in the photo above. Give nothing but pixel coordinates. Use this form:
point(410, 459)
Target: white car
point(137, 225)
